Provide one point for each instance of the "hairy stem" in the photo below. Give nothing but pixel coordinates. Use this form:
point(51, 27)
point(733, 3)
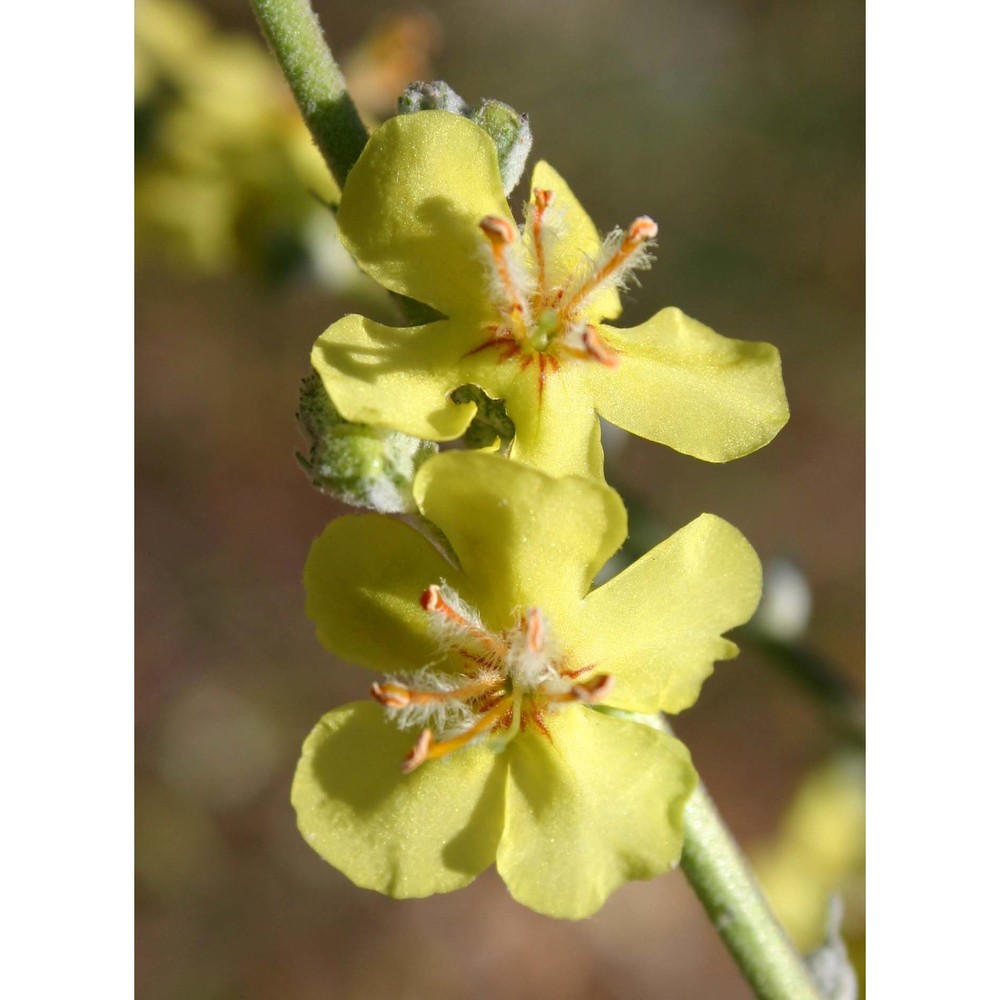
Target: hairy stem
point(293, 32)
point(723, 881)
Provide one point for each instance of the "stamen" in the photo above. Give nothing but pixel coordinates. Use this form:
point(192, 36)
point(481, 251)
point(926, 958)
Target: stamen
point(543, 199)
point(639, 233)
point(597, 349)
point(432, 601)
point(594, 690)
point(396, 696)
point(502, 233)
point(418, 754)
point(426, 749)
point(589, 692)
point(536, 630)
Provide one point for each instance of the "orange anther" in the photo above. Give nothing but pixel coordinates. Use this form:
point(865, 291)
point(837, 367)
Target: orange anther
point(498, 231)
point(543, 198)
point(390, 695)
point(594, 690)
point(597, 349)
point(536, 630)
point(643, 229)
point(418, 754)
point(430, 599)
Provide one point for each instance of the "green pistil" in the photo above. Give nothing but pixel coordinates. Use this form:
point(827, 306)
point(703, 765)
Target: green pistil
point(545, 329)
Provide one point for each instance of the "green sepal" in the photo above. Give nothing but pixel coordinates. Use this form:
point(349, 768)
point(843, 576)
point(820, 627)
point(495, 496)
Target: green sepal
point(361, 465)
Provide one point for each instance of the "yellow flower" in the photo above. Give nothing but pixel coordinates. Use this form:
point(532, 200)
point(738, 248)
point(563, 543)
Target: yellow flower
point(423, 212)
point(483, 745)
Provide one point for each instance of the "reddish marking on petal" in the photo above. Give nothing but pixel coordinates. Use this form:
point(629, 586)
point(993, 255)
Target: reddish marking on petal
point(526, 362)
point(542, 360)
point(504, 337)
point(536, 717)
point(505, 721)
point(572, 674)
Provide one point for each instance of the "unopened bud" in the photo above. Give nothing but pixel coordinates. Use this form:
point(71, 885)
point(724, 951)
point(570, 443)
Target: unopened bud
point(511, 133)
point(436, 96)
point(363, 466)
point(509, 130)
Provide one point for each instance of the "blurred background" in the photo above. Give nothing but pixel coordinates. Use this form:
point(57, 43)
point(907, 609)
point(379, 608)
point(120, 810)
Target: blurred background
point(738, 126)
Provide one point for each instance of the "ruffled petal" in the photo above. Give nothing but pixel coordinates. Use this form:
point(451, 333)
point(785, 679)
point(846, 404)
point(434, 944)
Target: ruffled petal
point(412, 206)
point(364, 578)
point(398, 377)
point(407, 835)
point(522, 537)
point(600, 806)
point(578, 245)
point(683, 385)
point(656, 627)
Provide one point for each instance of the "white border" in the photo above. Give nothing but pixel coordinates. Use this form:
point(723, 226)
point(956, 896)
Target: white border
point(933, 362)
point(66, 409)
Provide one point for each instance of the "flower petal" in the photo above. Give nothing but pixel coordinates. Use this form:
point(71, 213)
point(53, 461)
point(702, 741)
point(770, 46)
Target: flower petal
point(600, 806)
point(656, 627)
point(407, 835)
point(364, 578)
point(398, 377)
point(682, 384)
point(523, 538)
point(557, 428)
point(412, 206)
point(579, 242)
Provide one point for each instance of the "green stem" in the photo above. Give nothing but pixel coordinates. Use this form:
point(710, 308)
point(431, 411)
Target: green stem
point(723, 881)
point(293, 32)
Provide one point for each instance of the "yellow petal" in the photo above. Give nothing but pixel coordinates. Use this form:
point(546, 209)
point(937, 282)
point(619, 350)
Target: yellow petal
point(600, 806)
point(578, 246)
point(407, 835)
point(657, 626)
point(524, 538)
point(412, 205)
point(683, 385)
point(557, 429)
point(398, 377)
point(364, 578)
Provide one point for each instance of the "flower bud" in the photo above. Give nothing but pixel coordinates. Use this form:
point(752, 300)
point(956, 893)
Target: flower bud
point(511, 133)
point(436, 96)
point(360, 465)
point(509, 130)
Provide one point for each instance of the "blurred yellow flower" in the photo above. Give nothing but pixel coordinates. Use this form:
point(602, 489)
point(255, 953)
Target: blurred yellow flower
point(227, 175)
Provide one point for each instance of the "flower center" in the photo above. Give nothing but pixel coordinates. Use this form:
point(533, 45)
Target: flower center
point(544, 318)
point(504, 683)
